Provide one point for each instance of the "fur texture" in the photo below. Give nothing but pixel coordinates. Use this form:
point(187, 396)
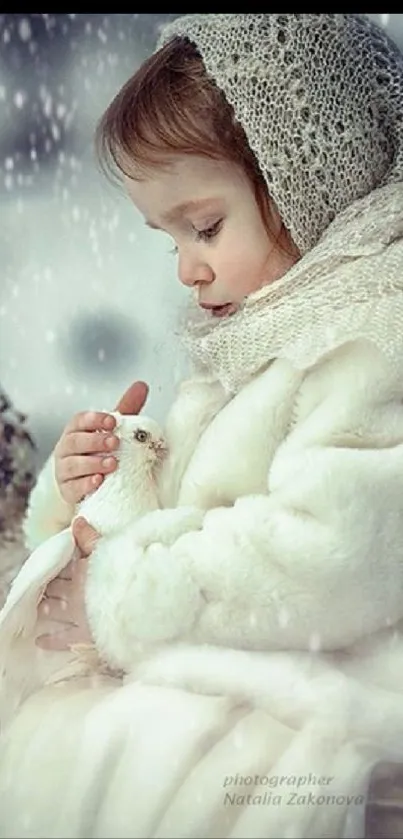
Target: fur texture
point(257, 619)
point(300, 551)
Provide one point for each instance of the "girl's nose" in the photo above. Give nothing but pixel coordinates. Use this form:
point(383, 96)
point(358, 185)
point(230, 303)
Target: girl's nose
point(192, 273)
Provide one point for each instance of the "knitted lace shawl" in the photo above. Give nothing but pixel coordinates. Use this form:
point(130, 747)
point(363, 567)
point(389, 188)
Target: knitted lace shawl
point(320, 98)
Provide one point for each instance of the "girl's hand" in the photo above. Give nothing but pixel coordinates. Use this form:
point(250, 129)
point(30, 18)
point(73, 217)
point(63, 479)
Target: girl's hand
point(84, 453)
point(64, 599)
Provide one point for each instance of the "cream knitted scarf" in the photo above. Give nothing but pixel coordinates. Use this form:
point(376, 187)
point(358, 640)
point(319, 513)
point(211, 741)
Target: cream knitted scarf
point(320, 98)
point(349, 285)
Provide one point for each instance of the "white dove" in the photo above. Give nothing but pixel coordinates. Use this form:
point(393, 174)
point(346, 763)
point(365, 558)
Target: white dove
point(128, 493)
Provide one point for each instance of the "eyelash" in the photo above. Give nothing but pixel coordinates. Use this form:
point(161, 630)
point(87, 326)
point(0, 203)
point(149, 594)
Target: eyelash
point(204, 235)
point(209, 233)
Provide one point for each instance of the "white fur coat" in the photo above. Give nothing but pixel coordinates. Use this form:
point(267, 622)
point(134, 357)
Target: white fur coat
point(260, 637)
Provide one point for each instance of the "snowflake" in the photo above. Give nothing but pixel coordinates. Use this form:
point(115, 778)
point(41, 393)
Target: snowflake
point(24, 29)
point(56, 133)
point(61, 110)
point(20, 99)
point(47, 101)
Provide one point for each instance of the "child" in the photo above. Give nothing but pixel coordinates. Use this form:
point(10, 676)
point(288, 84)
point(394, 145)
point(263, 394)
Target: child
point(262, 650)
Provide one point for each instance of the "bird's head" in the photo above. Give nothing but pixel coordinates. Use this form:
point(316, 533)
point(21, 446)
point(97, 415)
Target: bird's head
point(141, 440)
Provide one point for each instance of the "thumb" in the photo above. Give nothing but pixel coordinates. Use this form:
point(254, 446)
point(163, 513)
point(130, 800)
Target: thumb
point(133, 399)
point(85, 536)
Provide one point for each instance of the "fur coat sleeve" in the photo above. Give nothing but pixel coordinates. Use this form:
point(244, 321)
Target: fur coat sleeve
point(314, 562)
point(47, 513)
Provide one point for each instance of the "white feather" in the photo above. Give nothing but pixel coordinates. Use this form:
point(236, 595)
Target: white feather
point(124, 496)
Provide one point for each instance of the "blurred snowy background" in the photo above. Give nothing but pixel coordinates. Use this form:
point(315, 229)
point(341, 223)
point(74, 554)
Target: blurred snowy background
point(88, 294)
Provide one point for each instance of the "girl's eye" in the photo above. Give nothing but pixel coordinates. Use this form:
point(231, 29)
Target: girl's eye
point(209, 232)
point(205, 235)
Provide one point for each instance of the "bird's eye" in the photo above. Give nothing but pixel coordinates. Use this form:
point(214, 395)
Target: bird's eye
point(141, 435)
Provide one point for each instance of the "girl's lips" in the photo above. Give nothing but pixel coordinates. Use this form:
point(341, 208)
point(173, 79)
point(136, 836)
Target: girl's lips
point(221, 311)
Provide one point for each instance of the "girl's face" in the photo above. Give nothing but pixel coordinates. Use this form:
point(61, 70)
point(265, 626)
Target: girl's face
point(209, 209)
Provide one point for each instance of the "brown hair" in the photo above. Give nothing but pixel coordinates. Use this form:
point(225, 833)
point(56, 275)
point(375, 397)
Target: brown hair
point(170, 105)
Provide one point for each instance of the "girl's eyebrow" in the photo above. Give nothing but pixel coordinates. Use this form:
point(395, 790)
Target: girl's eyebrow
point(180, 210)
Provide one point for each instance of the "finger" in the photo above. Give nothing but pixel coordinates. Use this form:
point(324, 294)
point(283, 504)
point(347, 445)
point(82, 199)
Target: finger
point(82, 465)
point(58, 588)
point(133, 399)
point(85, 536)
point(62, 640)
point(51, 609)
point(90, 421)
point(55, 641)
point(87, 442)
point(75, 490)
point(54, 609)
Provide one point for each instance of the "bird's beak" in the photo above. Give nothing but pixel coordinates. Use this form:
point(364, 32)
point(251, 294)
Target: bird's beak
point(160, 448)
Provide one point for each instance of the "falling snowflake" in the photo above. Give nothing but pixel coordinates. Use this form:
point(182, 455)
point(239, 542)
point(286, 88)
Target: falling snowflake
point(61, 110)
point(24, 29)
point(56, 133)
point(20, 99)
point(47, 102)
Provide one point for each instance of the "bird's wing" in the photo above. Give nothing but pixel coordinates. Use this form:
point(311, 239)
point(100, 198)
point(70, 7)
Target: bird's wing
point(18, 614)
point(21, 662)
